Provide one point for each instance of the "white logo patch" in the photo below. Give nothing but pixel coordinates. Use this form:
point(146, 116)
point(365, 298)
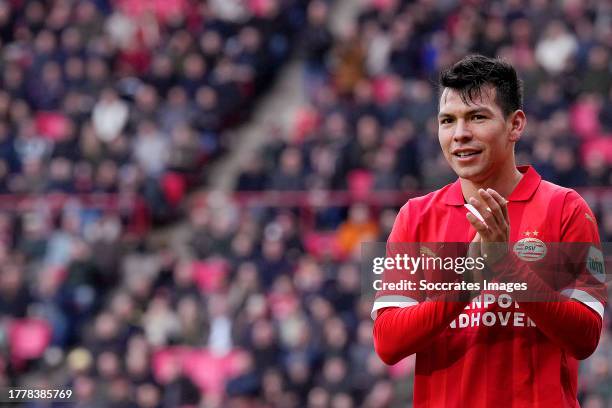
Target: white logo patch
point(595, 264)
point(530, 249)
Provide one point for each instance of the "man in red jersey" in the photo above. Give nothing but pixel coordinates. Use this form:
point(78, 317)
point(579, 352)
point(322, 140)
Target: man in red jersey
point(486, 348)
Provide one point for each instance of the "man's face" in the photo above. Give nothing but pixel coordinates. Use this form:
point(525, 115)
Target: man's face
point(476, 139)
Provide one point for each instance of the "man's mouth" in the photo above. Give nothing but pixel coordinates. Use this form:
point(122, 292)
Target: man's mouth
point(466, 153)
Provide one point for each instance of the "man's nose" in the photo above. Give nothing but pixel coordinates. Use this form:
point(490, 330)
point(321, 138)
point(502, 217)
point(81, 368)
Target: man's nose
point(461, 131)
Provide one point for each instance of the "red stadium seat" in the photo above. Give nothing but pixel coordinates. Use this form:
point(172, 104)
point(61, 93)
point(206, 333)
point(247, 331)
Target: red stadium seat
point(164, 360)
point(381, 87)
point(210, 274)
point(584, 119)
point(322, 243)
point(599, 146)
point(163, 10)
point(360, 183)
point(258, 7)
point(174, 187)
point(28, 338)
point(52, 125)
point(306, 121)
point(210, 372)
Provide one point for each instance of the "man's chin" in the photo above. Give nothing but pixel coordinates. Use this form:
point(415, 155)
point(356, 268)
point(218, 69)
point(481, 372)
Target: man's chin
point(471, 173)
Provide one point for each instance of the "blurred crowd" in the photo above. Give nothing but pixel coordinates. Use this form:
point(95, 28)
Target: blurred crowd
point(253, 305)
point(130, 96)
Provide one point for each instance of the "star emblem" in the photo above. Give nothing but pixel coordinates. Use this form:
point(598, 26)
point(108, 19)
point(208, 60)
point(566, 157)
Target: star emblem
point(527, 233)
point(535, 233)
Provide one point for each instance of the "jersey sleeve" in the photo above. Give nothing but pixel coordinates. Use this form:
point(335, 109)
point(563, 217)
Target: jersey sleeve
point(571, 315)
point(400, 242)
point(406, 322)
point(580, 238)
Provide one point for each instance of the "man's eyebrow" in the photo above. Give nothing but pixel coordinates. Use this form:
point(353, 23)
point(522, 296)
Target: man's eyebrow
point(469, 112)
point(480, 110)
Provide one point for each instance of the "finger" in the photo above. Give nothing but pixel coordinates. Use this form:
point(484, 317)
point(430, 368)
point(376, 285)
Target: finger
point(474, 246)
point(485, 212)
point(478, 225)
point(494, 207)
point(503, 203)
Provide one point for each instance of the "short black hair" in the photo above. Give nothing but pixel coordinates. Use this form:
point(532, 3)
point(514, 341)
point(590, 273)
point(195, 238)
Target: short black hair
point(472, 73)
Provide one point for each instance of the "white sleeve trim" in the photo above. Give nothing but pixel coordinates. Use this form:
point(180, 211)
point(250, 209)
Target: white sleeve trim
point(391, 301)
point(586, 299)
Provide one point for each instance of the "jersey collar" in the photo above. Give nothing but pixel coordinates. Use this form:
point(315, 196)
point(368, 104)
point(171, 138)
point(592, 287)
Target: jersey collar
point(522, 192)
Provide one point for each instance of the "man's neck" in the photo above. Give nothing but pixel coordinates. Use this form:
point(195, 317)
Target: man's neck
point(504, 184)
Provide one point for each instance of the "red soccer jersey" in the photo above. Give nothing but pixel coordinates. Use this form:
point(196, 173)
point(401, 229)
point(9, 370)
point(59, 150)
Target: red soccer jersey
point(489, 352)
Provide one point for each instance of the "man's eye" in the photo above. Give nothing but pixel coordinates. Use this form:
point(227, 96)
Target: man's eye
point(479, 117)
point(445, 121)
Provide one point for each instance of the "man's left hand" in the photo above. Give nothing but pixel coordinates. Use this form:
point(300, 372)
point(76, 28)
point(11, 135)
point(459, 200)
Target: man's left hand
point(495, 230)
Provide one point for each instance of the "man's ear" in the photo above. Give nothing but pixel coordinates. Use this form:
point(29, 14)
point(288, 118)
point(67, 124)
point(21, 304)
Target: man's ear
point(517, 122)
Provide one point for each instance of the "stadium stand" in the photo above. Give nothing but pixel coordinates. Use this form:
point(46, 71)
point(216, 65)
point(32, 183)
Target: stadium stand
point(111, 110)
